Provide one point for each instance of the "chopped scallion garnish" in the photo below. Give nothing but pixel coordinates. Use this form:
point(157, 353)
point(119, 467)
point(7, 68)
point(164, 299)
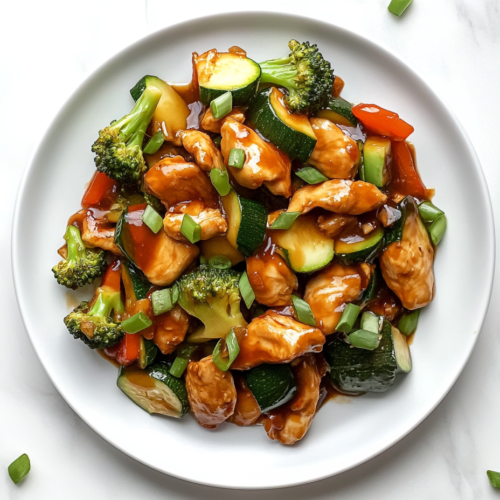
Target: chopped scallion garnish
point(152, 219)
point(494, 478)
point(175, 293)
point(429, 212)
point(190, 229)
point(217, 140)
point(154, 143)
point(162, 301)
point(219, 262)
point(348, 318)
point(437, 229)
point(246, 290)
point(178, 366)
point(222, 105)
point(220, 181)
point(397, 7)
point(233, 348)
point(136, 323)
point(303, 311)
point(285, 220)
point(370, 322)
point(311, 175)
point(363, 339)
point(408, 322)
point(236, 158)
point(19, 468)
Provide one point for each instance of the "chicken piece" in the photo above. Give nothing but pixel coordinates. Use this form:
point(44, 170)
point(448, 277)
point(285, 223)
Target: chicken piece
point(333, 224)
point(206, 155)
point(210, 124)
point(407, 265)
point(271, 279)
point(289, 423)
point(329, 291)
point(275, 338)
point(339, 196)
point(174, 180)
point(211, 393)
point(335, 155)
point(211, 221)
point(171, 328)
point(98, 234)
point(264, 162)
point(247, 410)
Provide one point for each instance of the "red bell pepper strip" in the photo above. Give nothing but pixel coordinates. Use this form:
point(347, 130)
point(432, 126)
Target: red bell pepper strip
point(112, 351)
point(128, 349)
point(112, 276)
point(99, 188)
point(405, 178)
point(382, 121)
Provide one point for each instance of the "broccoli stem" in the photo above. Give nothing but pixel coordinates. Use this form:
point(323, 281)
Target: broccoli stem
point(280, 72)
point(76, 248)
point(105, 303)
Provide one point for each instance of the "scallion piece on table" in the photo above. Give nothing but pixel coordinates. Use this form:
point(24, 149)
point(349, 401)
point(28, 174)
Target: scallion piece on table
point(494, 478)
point(246, 290)
point(437, 229)
point(152, 219)
point(397, 7)
point(154, 143)
point(19, 468)
point(429, 212)
point(190, 229)
point(303, 311)
point(175, 293)
point(222, 105)
point(408, 322)
point(363, 339)
point(219, 262)
point(162, 301)
point(236, 158)
point(220, 181)
point(348, 318)
point(178, 366)
point(311, 175)
point(233, 348)
point(217, 140)
point(370, 322)
point(285, 220)
point(136, 323)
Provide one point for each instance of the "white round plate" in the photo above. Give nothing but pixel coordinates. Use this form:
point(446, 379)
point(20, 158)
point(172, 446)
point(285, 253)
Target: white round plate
point(341, 436)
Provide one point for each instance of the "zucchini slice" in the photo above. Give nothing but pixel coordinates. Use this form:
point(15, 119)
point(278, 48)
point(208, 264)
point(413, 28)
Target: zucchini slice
point(406, 206)
point(360, 249)
point(247, 220)
point(402, 351)
point(376, 155)
point(291, 132)
point(271, 385)
point(339, 111)
point(220, 246)
point(172, 112)
point(154, 390)
point(137, 281)
point(147, 353)
point(360, 370)
point(306, 248)
point(223, 72)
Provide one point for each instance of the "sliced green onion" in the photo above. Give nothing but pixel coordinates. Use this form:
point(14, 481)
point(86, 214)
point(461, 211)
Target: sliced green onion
point(217, 140)
point(178, 366)
point(232, 346)
point(363, 339)
point(236, 158)
point(397, 7)
point(219, 262)
point(154, 143)
point(285, 220)
point(220, 181)
point(222, 105)
point(19, 468)
point(437, 229)
point(494, 478)
point(152, 219)
point(303, 311)
point(203, 260)
point(408, 322)
point(311, 175)
point(348, 318)
point(429, 212)
point(136, 323)
point(185, 350)
point(162, 301)
point(175, 293)
point(246, 290)
point(370, 322)
point(190, 229)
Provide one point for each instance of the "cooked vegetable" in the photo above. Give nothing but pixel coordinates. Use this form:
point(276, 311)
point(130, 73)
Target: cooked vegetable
point(220, 181)
point(429, 212)
point(285, 220)
point(154, 143)
point(219, 262)
point(118, 149)
point(364, 339)
point(179, 366)
point(100, 188)
point(405, 207)
point(311, 175)
point(155, 390)
point(136, 323)
point(303, 311)
point(152, 219)
point(370, 322)
point(437, 229)
point(246, 290)
point(408, 322)
point(222, 105)
point(19, 468)
point(366, 249)
point(377, 151)
point(82, 265)
point(306, 75)
point(348, 318)
point(236, 158)
point(190, 229)
point(397, 7)
point(220, 246)
point(401, 351)
point(405, 178)
point(339, 111)
point(233, 349)
point(147, 353)
point(494, 478)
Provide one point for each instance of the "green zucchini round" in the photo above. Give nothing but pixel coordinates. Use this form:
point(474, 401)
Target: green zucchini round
point(361, 251)
point(339, 111)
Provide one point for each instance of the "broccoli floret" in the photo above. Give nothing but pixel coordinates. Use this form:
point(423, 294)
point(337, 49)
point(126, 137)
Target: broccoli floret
point(306, 75)
point(213, 296)
point(95, 325)
point(82, 265)
point(118, 150)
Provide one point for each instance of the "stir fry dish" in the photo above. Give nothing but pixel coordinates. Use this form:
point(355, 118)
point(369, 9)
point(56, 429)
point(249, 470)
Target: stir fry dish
point(260, 243)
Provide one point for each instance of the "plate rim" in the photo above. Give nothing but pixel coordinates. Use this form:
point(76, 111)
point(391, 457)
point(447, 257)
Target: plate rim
point(489, 223)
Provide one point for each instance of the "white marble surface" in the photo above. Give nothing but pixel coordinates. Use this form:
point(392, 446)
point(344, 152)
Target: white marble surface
point(47, 49)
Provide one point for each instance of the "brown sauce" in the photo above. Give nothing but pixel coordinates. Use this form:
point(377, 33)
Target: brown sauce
point(108, 358)
point(190, 92)
point(237, 51)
